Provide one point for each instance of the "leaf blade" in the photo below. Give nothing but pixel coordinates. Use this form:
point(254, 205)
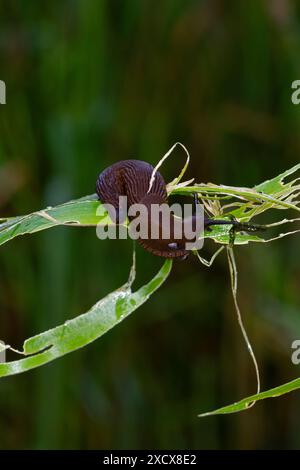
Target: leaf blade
point(245, 402)
point(85, 328)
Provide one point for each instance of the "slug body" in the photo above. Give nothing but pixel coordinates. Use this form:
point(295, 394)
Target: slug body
point(131, 178)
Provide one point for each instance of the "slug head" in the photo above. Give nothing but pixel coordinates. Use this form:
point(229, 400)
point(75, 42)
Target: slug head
point(157, 228)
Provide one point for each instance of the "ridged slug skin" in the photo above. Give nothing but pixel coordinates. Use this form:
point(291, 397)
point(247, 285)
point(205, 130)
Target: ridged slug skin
point(131, 178)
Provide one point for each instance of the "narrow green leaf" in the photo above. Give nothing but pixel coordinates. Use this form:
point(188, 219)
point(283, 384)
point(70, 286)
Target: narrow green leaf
point(88, 211)
point(246, 194)
point(275, 185)
point(82, 212)
point(85, 328)
point(245, 402)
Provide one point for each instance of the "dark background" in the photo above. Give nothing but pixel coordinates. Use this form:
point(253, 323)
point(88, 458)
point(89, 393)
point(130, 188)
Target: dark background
point(92, 82)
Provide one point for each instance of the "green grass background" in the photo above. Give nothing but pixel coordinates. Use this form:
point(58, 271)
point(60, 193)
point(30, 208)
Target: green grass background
point(91, 82)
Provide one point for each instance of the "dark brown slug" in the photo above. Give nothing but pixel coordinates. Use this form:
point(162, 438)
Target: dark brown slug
point(131, 178)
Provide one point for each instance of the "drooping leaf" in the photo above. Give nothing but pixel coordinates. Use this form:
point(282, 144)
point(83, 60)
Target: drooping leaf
point(85, 328)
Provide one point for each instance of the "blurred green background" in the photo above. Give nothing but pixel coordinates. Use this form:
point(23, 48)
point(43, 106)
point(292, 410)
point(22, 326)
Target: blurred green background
point(91, 82)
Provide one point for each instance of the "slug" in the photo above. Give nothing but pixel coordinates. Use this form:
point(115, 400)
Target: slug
point(131, 178)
